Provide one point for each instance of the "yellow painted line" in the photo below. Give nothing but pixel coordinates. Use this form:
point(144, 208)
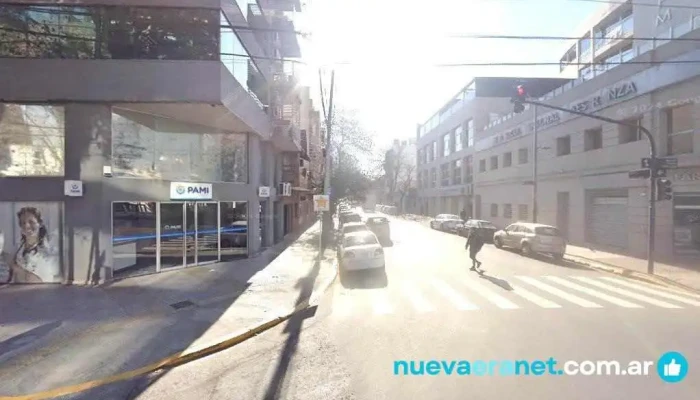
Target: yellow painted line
point(174, 360)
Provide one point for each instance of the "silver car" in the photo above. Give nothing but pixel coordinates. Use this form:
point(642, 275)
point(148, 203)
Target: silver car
point(532, 239)
point(446, 222)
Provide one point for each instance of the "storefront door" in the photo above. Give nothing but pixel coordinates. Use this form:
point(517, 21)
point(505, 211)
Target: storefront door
point(207, 232)
point(172, 235)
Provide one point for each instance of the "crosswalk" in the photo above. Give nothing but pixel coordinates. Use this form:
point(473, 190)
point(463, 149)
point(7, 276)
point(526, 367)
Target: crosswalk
point(519, 294)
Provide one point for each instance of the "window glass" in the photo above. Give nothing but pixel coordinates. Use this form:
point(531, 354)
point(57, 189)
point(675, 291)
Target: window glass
point(234, 229)
point(145, 146)
point(32, 140)
point(547, 231)
point(237, 60)
point(459, 138)
point(470, 133)
point(446, 145)
point(134, 237)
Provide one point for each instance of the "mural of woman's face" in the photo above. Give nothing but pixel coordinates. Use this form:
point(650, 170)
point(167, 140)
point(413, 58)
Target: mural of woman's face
point(29, 225)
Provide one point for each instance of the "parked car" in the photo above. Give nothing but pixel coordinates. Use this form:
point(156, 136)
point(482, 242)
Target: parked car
point(346, 217)
point(531, 238)
point(360, 251)
point(446, 222)
point(485, 228)
point(380, 226)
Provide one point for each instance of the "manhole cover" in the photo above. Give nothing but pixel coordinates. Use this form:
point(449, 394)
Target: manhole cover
point(182, 304)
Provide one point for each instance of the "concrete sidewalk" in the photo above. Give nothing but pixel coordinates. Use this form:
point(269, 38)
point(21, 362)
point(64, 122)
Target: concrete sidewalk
point(53, 335)
point(687, 274)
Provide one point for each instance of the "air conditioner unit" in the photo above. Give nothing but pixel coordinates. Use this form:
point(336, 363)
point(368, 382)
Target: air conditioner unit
point(285, 189)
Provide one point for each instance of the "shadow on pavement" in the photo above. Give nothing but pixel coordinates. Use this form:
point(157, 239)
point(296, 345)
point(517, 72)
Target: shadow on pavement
point(19, 341)
point(502, 283)
point(369, 279)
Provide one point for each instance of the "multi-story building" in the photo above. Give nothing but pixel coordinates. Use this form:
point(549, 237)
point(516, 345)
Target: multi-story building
point(141, 136)
point(582, 178)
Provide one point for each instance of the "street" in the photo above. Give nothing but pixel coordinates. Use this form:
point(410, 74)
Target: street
point(431, 307)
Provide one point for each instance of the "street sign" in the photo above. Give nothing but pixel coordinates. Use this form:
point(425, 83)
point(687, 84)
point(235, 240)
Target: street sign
point(668, 162)
point(661, 162)
point(264, 191)
point(639, 174)
point(322, 202)
point(659, 173)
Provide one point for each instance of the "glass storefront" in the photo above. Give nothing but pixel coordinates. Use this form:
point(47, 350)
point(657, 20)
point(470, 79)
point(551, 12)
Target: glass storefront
point(150, 237)
point(686, 223)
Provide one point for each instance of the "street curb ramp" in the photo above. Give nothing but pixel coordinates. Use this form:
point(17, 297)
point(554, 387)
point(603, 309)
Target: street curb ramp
point(184, 356)
point(636, 275)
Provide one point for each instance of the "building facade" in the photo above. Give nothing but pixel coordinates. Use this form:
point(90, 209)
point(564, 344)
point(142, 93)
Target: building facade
point(141, 136)
point(583, 186)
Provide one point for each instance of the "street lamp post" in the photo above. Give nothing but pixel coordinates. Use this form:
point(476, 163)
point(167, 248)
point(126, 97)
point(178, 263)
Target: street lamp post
point(534, 166)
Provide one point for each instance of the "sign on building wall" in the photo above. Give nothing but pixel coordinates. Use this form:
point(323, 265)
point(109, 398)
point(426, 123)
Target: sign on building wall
point(30, 236)
point(190, 191)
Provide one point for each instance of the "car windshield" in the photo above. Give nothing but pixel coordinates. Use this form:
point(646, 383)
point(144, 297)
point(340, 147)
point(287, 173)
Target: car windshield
point(353, 218)
point(547, 231)
point(360, 240)
point(486, 224)
point(354, 228)
point(449, 216)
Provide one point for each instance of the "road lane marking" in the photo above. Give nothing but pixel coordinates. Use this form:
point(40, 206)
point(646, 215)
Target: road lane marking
point(491, 296)
point(540, 301)
point(558, 292)
point(459, 301)
point(420, 303)
point(627, 293)
point(382, 306)
point(594, 293)
point(661, 293)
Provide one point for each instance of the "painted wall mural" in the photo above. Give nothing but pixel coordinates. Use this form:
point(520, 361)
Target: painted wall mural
point(30, 242)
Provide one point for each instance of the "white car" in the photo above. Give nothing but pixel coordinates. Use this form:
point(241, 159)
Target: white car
point(361, 250)
point(446, 222)
point(531, 238)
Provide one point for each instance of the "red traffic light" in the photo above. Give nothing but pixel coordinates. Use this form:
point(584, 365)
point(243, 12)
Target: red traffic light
point(521, 91)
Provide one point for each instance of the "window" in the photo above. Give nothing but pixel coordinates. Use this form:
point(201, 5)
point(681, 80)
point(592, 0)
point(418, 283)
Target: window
point(507, 159)
point(469, 174)
point(237, 60)
point(446, 145)
point(445, 175)
point(456, 172)
point(680, 129)
point(593, 139)
point(145, 146)
point(32, 140)
point(494, 210)
point(459, 138)
point(433, 151)
point(564, 145)
point(627, 134)
point(482, 165)
point(494, 162)
point(522, 212)
point(433, 177)
point(109, 32)
point(470, 133)
point(508, 211)
point(522, 156)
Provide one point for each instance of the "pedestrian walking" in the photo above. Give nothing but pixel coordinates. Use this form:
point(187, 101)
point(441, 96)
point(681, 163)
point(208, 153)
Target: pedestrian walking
point(474, 243)
point(463, 215)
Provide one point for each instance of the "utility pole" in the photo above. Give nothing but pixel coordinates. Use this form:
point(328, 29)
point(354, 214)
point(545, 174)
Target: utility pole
point(653, 168)
point(327, 220)
point(534, 166)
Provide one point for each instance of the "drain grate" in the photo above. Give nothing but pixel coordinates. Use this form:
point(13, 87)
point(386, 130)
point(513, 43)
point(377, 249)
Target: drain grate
point(182, 304)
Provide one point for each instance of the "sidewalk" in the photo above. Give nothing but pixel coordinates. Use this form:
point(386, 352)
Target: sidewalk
point(686, 275)
point(54, 335)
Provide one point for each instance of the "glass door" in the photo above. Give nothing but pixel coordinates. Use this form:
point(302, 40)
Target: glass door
point(207, 232)
point(191, 233)
point(172, 235)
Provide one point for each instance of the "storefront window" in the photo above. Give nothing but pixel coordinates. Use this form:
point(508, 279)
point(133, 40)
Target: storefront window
point(133, 238)
point(109, 32)
point(144, 146)
point(30, 242)
point(31, 140)
point(234, 230)
point(686, 221)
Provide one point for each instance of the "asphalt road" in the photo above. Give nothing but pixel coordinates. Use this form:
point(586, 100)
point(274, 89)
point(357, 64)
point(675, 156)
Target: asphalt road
point(430, 307)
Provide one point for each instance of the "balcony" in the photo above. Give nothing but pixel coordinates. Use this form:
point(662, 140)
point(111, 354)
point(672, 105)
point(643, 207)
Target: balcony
point(613, 35)
point(281, 5)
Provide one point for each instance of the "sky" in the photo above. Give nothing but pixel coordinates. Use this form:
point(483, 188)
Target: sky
point(384, 51)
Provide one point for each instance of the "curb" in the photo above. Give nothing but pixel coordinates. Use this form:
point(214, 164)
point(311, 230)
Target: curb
point(628, 273)
point(185, 356)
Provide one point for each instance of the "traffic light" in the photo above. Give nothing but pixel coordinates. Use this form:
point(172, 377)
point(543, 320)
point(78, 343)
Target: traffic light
point(664, 191)
point(517, 100)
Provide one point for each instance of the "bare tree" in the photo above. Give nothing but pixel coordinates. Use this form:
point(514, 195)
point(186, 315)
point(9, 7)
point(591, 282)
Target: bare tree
point(406, 181)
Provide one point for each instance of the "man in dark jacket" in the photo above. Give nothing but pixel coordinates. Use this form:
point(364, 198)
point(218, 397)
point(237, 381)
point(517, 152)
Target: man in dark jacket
point(474, 243)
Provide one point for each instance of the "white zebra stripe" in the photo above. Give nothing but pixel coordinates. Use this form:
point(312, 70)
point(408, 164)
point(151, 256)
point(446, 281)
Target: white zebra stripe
point(594, 293)
point(661, 293)
point(491, 296)
point(627, 293)
point(558, 292)
point(540, 301)
point(457, 299)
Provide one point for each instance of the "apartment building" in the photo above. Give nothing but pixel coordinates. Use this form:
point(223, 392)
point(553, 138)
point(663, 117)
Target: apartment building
point(582, 178)
point(142, 136)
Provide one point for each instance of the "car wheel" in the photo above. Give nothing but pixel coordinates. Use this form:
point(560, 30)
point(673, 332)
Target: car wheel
point(526, 250)
point(497, 242)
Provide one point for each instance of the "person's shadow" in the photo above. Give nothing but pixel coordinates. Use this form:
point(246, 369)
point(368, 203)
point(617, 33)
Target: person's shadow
point(496, 281)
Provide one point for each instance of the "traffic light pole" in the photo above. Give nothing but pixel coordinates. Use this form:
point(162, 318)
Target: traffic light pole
point(652, 170)
point(534, 166)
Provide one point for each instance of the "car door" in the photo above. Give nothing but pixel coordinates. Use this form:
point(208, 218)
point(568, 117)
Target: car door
point(511, 238)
